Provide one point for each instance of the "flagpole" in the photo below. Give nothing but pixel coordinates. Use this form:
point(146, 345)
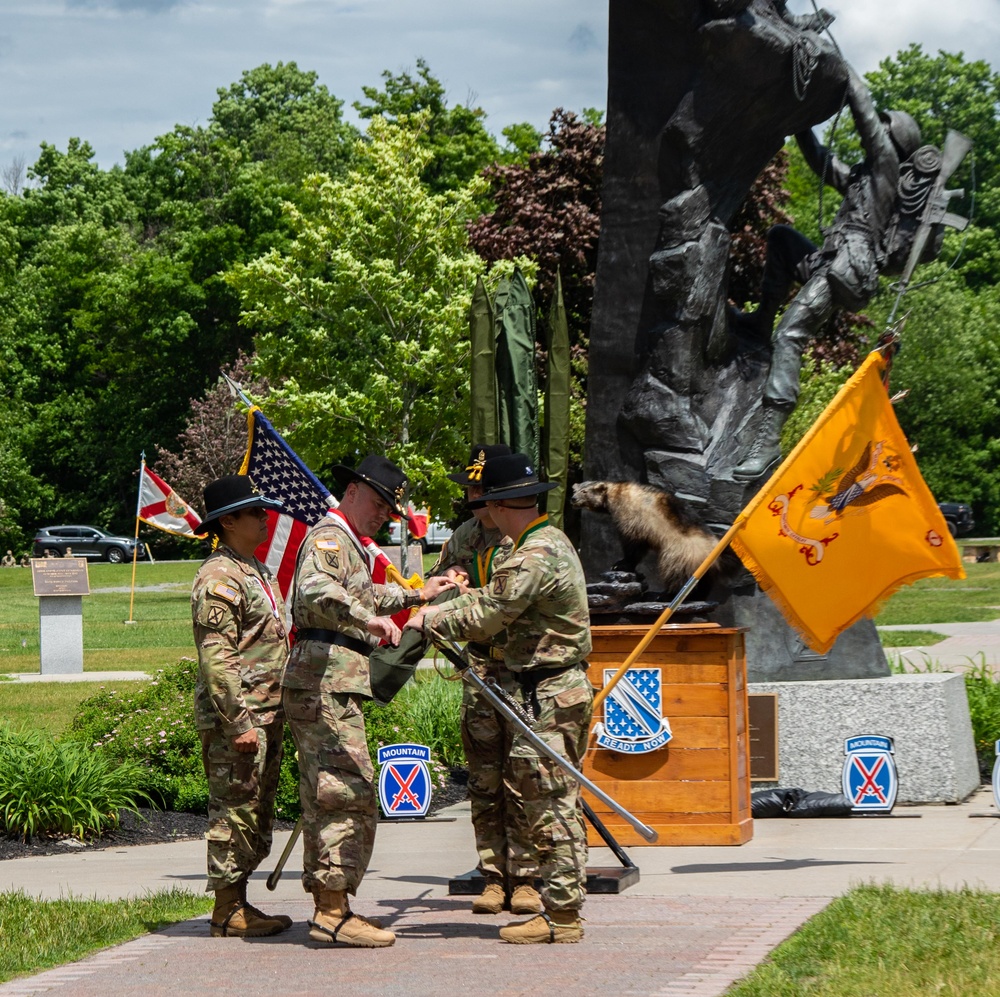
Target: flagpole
point(135, 546)
point(712, 557)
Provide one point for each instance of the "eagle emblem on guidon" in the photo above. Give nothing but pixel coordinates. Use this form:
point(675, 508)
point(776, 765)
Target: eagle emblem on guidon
point(870, 780)
point(404, 781)
point(633, 713)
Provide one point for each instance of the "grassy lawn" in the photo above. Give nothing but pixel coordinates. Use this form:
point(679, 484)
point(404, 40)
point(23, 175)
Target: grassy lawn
point(909, 638)
point(39, 934)
point(48, 706)
point(161, 609)
point(879, 940)
point(942, 600)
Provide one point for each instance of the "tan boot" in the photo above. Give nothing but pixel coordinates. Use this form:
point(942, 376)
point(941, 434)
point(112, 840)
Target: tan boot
point(525, 899)
point(232, 918)
point(490, 901)
point(335, 922)
point(286, 921)
point(551, 926)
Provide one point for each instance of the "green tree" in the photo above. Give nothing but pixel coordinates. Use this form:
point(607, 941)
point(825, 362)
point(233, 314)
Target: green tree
point(458, 140)
point(363, 320)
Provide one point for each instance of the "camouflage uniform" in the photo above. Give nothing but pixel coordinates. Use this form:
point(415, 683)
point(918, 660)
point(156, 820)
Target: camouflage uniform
point(486, 736)
point(324, 685)
point(240, 635)
point(539, 595)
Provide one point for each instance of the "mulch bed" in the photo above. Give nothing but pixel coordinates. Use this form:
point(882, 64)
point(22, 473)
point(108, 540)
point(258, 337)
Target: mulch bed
point(154, 827)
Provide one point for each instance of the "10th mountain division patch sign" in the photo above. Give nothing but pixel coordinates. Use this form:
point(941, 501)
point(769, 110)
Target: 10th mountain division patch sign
point(633, 713)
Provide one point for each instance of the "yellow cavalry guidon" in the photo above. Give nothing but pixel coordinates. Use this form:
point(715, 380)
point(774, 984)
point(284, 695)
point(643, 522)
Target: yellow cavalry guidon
point(846, 519)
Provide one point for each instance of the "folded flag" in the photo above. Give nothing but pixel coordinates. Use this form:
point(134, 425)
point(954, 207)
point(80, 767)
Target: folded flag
point(846, 519)
point(162, 507)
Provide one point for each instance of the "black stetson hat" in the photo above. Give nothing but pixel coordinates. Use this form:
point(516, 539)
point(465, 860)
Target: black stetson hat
point(510, 477)
point(481, 453)
point(230, 494)
point(379, 473)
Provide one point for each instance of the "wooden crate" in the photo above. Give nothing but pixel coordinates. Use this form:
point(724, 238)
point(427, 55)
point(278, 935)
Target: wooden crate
point(696, 789)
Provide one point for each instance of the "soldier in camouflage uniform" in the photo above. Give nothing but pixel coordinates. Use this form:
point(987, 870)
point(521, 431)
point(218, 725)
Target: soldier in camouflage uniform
point(538, 594)
point(339, 616)
point(239, 631)
point(506, 862)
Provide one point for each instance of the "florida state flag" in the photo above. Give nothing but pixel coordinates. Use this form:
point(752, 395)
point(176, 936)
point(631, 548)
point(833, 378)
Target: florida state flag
point(162, 507)
point(846, 519)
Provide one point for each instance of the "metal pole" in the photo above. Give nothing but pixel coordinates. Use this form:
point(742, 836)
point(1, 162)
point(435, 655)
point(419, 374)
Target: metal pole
point(272, 880)
point(469, 675)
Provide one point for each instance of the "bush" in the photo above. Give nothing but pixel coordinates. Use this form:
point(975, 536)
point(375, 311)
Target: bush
point(53, 787)
point(154, 728)
point(983, 692)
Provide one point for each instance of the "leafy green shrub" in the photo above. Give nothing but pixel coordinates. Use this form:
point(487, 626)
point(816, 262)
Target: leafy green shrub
point(983, 691)
point(154, 727)
point(62, 787)
point(433, 709)
point(425, 711)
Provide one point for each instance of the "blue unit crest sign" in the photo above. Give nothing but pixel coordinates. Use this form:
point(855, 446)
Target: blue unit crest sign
point(404, 781)
point(633, 713)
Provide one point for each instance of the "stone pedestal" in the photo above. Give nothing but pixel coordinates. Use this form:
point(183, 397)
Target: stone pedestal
point(926, 715)
point(60, 619)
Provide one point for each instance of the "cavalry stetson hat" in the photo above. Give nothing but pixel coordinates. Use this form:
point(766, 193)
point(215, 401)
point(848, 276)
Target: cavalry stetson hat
point(510, 477)
point(379, 473)
point(481, 453)
point(230, 494)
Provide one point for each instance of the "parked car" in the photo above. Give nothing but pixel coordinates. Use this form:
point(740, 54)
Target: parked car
point(84, 541)
point(437, 534)
point(958, 516)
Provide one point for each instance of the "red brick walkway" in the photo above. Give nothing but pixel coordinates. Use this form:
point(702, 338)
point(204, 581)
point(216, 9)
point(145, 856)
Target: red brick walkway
point(634, 945)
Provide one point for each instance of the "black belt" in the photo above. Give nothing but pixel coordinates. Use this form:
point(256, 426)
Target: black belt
point(485, 651)
point(333, 637)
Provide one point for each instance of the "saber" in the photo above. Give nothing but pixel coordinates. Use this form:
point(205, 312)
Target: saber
point(272, 880)
point(453, 654)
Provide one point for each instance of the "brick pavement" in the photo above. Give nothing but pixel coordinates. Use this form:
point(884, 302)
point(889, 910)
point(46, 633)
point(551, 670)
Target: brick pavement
point(634, 945)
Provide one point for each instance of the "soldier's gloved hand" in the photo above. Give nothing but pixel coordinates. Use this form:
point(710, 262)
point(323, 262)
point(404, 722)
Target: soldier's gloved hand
point(385, 629)
point(246, 742)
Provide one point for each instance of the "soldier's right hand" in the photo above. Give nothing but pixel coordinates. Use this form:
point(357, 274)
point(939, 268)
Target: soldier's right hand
point(246, 742)
point(385, 629)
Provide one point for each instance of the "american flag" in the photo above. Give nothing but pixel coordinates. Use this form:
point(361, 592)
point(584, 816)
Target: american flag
point(279, 473)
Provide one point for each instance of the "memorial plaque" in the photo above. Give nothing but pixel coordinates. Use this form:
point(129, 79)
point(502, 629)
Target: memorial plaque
point(763, 723)
point(60, 576)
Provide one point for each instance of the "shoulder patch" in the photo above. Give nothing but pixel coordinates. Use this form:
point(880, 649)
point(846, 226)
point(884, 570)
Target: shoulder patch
point(227, 592)
point(330, 545)
point(499, 584)
point(216, 615)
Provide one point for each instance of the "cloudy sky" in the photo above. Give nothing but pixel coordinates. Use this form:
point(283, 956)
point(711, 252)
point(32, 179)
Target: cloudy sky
point(120, 72)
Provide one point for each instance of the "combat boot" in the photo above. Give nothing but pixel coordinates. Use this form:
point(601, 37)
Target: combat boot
point(524, 898)
point(232, 918)
point(559, 926)
point(335, 922)
point(286, 921)
point(765, 451)
point(491, 900)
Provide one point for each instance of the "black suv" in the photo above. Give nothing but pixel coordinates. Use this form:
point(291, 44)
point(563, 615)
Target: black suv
point(958, 516)
point(85, 541)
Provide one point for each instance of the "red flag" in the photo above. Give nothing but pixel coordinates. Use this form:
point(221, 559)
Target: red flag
point(416, 522)
point(162, 507)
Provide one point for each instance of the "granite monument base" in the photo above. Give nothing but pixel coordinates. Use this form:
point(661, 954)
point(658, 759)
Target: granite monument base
point(60, 619)
point(926, 715)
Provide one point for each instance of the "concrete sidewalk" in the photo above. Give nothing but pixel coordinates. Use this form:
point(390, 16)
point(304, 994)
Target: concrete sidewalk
point(966, 646)
point(700, 917)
